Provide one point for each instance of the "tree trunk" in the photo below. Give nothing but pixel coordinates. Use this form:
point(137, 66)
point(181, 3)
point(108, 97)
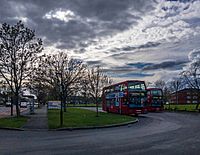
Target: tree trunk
point(16, 101)
point(11, 108)
point(97, 114)
point(64, 102)
point(197, 106)
point(176, 97)
point(86, 101)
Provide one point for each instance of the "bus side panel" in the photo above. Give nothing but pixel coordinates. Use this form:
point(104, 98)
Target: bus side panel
point(138, 110)
point(114, 109)
point(135, 111)
point(104, 105)
point(154, 109)
point(125, 110)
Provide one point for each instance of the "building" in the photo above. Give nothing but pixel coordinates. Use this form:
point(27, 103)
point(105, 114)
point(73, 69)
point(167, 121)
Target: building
point(186, 96)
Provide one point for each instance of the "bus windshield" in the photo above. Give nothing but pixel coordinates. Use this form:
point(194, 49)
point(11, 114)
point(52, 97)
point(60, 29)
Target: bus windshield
point(136, 85)
point(137, 99)
point(156, 92)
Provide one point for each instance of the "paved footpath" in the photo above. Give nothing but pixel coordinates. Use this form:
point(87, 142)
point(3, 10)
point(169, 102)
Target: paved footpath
point(38, 121)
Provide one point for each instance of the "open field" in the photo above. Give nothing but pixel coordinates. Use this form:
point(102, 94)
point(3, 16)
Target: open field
point(75, 117)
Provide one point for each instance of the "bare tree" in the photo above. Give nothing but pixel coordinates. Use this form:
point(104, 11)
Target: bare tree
point(85, 90)
point(97, 80)
point(192, 76)
point(4, 93)
point(59, 72)
point(148, 83)
point(18, 51)
point(176, 85)
point(42, 91)
point(74, 90)
point(160, 84)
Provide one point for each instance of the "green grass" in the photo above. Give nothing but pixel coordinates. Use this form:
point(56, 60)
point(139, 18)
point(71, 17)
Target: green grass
point(75, 117)
point(188, 107)
point(83, 105)
point(13, 122)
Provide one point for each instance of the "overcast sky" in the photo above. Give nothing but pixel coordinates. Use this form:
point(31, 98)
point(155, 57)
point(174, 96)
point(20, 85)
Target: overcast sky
point(130, 39)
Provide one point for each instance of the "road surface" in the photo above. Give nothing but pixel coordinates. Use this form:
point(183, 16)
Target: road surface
point(154, 134)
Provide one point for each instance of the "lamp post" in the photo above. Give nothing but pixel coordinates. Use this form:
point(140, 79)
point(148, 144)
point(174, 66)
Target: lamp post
point(59, 76)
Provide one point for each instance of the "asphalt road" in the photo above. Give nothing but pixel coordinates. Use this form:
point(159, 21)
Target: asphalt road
point(155, 133)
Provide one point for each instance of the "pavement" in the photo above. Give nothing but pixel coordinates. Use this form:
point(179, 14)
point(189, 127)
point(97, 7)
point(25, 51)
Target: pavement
point(38, 120)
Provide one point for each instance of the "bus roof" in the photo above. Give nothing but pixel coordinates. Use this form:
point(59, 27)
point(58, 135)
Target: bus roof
point(123, 82)
point(154, 88)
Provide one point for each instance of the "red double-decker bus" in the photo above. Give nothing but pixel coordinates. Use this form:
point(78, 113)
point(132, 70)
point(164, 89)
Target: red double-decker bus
point(154, 99)
point(128, 97)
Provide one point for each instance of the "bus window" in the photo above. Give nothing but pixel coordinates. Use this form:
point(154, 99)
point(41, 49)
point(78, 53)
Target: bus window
point(136, 86)
point(124, 101)
point(156, 92)
point(117, 102)
point(117, 88)
point(108, 102)
point(112, 102)
point(111, 89)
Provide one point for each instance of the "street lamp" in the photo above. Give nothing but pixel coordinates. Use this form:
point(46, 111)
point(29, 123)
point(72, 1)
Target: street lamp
point(59, 77)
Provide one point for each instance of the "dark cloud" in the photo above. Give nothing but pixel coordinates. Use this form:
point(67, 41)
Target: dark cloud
point(171, 65)
point(95, 63)
point(121, 69)
point(139, 65)
point(108, 10)
point(183, 1)
point(127, 71)
point(96, 18)
point(132, 48)
point(194, 22)
point(78, 51)
point(135, 75)
point(149, 45)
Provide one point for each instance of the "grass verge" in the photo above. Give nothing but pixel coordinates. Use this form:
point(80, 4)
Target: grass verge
point(83, 105)
point(189, 107)
point(75, 117)
point(13, 122)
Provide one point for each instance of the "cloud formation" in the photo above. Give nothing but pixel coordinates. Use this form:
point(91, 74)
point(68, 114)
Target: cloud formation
point(60, 14)
point(170, 65)
point(130, 39)
point(194, 54)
